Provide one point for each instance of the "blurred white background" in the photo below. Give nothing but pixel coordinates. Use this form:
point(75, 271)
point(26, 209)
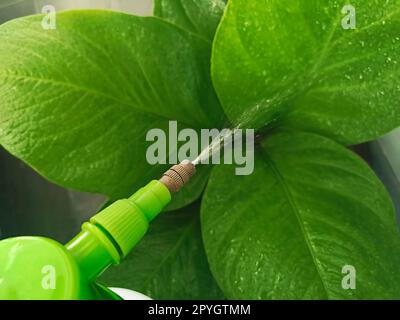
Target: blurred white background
point(10, 9)
point(139, 7)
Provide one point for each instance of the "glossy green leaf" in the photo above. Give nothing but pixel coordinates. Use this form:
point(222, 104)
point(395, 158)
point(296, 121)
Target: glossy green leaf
point(311, 208)
point(292, 60)
point(78, 101)
point(170, 262)
point(197, 16)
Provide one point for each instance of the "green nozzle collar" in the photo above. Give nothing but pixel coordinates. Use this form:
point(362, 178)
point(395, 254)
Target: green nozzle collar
point(126, 221)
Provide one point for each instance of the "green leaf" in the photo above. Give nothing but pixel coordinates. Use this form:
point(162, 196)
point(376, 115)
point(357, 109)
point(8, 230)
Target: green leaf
point(197, 16)
point(78, 101)
point(310, 208)
point(292, 60)
point(170, 262)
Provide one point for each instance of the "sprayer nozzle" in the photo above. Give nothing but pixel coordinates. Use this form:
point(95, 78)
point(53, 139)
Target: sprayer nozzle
point(176, 177)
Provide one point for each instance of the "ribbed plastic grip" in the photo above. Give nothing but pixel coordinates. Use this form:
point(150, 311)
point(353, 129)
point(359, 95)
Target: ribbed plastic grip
point(125, 223)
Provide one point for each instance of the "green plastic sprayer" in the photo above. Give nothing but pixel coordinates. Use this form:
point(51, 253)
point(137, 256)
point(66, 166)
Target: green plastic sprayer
point(41, 268)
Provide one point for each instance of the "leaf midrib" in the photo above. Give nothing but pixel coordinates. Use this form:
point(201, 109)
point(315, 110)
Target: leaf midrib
point(315, 73)
point(89, 91)
point(292, 203)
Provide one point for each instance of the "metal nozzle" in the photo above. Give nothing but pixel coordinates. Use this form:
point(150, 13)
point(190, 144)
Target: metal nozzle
point(176, 177)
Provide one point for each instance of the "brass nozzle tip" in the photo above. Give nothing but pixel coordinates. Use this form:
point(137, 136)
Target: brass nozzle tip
point(176, 177)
